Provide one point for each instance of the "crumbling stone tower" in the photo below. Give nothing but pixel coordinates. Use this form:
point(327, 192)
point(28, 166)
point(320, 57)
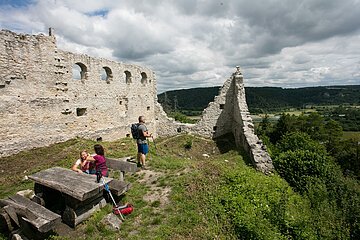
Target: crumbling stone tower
point(227, 114)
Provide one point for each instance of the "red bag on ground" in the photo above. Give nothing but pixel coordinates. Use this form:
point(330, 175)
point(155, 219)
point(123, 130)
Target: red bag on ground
point(127, 210)
point(124, 210)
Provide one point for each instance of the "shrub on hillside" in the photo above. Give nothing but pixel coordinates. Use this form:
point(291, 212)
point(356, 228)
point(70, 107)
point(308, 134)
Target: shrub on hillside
point(296, 166)
point(261, 207)
point(305, 164)
point(299, 141)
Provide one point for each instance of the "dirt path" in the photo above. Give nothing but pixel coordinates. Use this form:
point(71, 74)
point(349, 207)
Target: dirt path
point(150, 178)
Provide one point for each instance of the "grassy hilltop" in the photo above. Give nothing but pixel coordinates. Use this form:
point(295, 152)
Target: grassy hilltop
point(187, 195)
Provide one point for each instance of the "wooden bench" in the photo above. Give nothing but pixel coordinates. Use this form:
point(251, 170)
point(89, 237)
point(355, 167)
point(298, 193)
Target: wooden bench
point(42, 219)
point(122, 165)
point(118, 187)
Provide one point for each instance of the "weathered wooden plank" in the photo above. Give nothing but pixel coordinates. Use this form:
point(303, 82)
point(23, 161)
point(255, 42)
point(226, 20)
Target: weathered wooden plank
point(121, 176)
point(118, 188)
point(18, 235)
point(28, 231)
point(73, 217)
point(40, 224)
point(41, 218)
point(121, 164)
point(77, 185)
point(75, 203)
point(66, 181)
point(20, 210)
point(37, 209)
point(12, 214)
point(5, 222)
point(38, 199)
point(56, 201)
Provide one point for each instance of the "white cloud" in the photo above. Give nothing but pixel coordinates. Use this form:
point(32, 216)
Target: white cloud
point(192, 43)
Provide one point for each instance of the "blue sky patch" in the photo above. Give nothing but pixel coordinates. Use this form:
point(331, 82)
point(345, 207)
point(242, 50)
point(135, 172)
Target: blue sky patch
point(101, 12)
point(16, 3)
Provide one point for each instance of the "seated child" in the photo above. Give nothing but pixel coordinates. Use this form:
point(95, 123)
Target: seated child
point(99, 160)
point(85, 166)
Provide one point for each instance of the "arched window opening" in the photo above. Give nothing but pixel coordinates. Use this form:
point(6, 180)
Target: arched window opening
point(143, 78)
point(106, 74)
point(127, 77)
point(79, 71)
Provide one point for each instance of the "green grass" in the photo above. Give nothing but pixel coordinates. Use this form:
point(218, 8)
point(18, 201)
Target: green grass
point(220, 197)
point(148, 219)
point(351, 135)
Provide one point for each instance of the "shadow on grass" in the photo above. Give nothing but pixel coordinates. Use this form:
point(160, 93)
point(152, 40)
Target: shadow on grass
point(226, 143)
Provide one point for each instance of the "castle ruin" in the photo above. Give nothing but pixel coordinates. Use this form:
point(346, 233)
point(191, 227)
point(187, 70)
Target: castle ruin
point(42, 100)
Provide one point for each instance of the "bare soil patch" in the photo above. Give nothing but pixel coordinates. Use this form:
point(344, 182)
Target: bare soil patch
point(156, 193)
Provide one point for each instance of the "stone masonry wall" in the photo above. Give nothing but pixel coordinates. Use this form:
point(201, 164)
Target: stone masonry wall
point(41, 102)
point(243, 128)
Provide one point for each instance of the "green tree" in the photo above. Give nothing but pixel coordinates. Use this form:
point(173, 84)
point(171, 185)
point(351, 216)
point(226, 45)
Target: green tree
point(314, 126)
point(299, 141)
point(265, 126)
point(286, 123)
point(301, 157)
point(348, 157)
point(332, 135)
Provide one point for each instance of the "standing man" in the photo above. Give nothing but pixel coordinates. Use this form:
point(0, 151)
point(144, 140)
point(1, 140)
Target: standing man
point(143, 147)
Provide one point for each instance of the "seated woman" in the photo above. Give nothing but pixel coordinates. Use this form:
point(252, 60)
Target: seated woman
point(99, 160)
point(85, 165)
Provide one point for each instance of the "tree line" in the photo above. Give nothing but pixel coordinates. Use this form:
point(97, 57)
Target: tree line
point(272, 99)
point(264, 99)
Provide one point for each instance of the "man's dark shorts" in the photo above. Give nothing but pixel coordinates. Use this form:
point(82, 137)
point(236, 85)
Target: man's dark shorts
point(143, 148)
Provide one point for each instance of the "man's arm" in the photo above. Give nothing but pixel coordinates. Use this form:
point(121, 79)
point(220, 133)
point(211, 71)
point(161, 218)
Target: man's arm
point(146, 134)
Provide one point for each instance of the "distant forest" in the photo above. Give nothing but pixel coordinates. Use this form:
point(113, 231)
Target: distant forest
point(263, 99)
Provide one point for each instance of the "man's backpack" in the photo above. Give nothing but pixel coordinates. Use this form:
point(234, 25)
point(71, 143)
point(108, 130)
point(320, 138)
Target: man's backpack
point(135, 130)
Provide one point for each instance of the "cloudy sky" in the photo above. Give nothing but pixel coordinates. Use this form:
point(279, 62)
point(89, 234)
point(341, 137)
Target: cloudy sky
point(198, 43)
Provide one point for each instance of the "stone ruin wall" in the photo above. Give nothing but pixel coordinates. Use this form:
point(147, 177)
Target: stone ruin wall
point(228, 113)
point(41, 103)
point(243, 128)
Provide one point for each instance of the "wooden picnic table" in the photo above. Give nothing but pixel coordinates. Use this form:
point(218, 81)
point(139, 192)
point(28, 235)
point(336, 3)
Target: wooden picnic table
point(77, 185)
point(61, 194)
point(76, 196)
